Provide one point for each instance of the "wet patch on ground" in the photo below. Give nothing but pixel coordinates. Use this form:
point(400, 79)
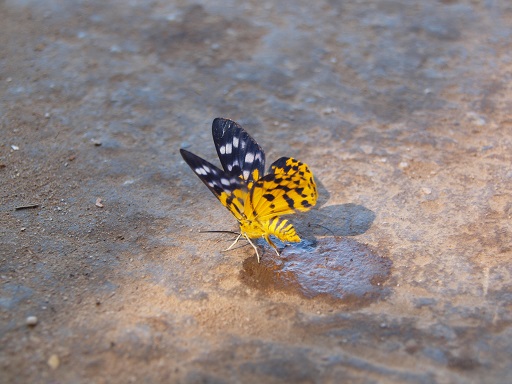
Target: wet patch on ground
point(339, 269)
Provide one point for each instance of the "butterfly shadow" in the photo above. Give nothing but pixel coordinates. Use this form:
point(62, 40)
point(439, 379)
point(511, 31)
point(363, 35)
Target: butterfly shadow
point(333, 220)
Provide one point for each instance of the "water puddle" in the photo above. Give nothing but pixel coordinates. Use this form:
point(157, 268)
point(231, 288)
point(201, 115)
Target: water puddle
point(333, 268)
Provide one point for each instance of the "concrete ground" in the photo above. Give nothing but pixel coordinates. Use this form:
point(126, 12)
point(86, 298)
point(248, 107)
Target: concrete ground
point(402, 109)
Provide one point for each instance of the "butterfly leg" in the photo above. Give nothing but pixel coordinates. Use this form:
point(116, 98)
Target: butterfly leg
point(234, 242)
point(254, 246)
point(271, 243)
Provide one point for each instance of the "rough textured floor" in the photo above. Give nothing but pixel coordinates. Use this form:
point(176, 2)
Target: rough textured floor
point(402, 109)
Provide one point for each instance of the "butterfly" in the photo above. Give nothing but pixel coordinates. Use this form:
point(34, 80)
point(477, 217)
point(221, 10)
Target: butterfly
point(256, 200)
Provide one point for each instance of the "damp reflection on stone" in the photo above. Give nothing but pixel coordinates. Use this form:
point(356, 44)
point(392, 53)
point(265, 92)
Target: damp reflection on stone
point(334, 268)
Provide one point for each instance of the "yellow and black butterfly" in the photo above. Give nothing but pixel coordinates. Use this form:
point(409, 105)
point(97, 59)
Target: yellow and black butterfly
point(256, 200)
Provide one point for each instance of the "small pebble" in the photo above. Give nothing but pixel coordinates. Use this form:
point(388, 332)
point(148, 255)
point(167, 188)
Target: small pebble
point(328, 110)
point(31, 320)
point(426, 191)
point(367, 149)
point(54, 361)
point(476, 118)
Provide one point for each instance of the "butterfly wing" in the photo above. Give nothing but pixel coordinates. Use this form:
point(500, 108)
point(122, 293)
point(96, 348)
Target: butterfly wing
point(229, 189)
point(239, 154)
point(289, 187)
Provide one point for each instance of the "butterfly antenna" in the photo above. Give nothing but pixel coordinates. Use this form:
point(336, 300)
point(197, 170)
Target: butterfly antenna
point(321, 226)
point(231, 232)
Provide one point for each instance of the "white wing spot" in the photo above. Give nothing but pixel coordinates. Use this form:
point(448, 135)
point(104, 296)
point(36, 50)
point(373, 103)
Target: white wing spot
point(230, 167)
point(206, 169)
point(246, 174)
point(235, 142)
point(222, 149)
point(249, 157)
point(228, 148)
point(200, 171)
point(224, 181)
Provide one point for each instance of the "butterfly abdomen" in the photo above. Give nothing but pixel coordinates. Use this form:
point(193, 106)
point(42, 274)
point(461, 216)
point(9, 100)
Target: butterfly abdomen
point(282, 229)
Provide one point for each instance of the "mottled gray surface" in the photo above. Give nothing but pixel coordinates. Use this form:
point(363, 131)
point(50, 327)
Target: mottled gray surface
point(401, 108)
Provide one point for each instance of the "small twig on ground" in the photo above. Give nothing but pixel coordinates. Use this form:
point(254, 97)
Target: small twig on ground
point(26, 207)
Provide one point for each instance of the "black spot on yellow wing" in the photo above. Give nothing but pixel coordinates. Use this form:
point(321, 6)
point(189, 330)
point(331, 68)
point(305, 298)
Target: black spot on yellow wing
point(291, 185)
point(289, 201)
point(269, 196)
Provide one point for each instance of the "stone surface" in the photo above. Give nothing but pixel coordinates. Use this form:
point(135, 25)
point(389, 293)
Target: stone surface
point(401, 108)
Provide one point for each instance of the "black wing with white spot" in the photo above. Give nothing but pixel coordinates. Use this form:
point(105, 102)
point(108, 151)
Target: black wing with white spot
point(229, 189)
point(239, 154)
